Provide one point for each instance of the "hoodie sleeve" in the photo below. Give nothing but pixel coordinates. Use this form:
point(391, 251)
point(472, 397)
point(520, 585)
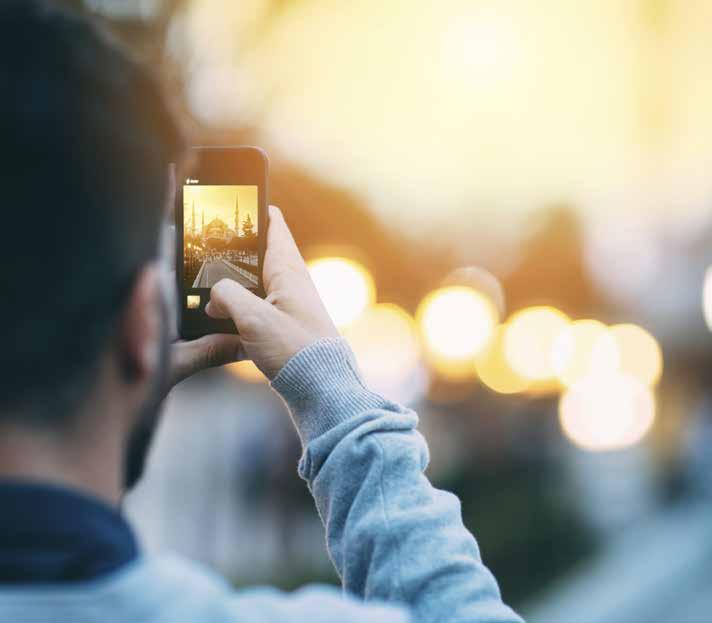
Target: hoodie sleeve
point(392, 536)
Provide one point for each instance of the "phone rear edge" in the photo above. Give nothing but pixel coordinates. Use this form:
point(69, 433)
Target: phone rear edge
point(221, 225)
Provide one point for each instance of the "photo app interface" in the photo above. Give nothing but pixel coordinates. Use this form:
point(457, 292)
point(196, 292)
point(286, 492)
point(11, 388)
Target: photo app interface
point(220, 227)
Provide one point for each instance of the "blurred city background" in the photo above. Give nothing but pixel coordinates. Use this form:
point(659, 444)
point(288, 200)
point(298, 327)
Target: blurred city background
point(507, 206)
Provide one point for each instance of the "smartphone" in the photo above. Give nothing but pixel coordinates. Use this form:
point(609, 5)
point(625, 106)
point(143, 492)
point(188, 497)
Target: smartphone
point(221, 227)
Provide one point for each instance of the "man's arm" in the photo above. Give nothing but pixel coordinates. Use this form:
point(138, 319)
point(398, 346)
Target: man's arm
point(391, 534)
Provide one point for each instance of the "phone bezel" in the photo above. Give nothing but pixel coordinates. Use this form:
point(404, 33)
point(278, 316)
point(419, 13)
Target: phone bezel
point(242, 165)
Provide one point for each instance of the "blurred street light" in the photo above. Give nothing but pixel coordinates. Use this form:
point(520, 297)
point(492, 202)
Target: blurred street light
point(345, 287)
point(529, 341)
point(385, 342)
point(494, 370)
point(607, 411)
point(456, 324)
point(479, 279)
point(583, 348)
point(639, 352)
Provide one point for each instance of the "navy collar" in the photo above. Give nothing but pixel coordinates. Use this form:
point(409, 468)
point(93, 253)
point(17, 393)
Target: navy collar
point(50, 534)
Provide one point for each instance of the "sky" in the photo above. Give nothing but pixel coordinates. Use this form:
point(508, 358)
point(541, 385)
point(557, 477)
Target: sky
point(471, 113)
point(219, 202)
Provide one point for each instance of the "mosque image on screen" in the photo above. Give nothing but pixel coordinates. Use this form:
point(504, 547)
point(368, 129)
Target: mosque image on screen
point(220, 241)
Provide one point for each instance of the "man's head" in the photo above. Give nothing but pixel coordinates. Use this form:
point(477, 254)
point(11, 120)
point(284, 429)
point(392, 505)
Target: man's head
point(86, 142)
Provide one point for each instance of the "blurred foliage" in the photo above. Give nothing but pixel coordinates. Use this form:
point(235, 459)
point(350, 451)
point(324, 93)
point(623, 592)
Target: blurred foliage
point(528, 529)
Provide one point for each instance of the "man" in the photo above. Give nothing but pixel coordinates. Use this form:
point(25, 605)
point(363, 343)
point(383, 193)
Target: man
point(86, 362)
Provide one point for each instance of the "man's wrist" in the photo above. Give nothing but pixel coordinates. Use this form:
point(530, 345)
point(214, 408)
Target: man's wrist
point(322, 387)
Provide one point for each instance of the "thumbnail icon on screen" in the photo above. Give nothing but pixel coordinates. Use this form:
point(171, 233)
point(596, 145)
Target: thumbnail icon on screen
point(192, 301)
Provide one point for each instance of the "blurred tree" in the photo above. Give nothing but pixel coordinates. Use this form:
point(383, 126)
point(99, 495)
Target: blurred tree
point(516, 499)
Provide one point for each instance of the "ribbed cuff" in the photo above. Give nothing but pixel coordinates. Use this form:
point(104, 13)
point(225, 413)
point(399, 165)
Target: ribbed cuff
point(322, 387)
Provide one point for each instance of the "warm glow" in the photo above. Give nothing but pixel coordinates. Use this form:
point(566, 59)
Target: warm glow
point(477, 77)
point(385, 342)
point(205, 203)
point(481, 47)
point(640, 354)
point(247, 371)
point(493, 369)
point(529, 341)
point(456, 324)
point(607, 412)
point(584, 347)
point(345, 287)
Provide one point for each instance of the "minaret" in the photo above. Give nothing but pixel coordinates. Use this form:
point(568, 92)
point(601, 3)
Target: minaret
point(193, 225)
point(237, 215)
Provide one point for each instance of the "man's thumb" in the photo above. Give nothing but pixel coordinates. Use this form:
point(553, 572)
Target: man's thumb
point(228, 299)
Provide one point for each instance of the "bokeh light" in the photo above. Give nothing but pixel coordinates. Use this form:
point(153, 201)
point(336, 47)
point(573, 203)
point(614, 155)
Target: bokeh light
point(707, 298)
point(607, 412)
point(583, 348)
point(529, 341)
point(639, 352)
point(385, 342)
point(345, 286)
point(479, 279)
point(456, 324)
point(494, 370)
point(247, 371)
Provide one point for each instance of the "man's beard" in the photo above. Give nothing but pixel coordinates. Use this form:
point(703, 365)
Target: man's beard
point(141, 437)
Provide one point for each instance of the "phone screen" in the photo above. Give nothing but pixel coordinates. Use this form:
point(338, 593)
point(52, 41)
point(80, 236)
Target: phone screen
point(221, 227)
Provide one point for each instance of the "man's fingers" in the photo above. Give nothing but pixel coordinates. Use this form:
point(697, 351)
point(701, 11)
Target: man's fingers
point(282, 260)
point(209, 351)
point(214, 310)
point(228, 299)
point(279, 239)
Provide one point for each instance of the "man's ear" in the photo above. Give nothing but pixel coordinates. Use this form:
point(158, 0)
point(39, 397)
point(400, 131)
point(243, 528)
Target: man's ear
point(139, 336)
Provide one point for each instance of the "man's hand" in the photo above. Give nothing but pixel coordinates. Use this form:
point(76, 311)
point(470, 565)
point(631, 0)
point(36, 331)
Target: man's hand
point(271, 330)
point(188, 358)
point(290, 318)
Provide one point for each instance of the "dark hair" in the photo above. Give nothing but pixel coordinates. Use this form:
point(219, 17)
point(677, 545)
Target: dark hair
point(86, 142)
